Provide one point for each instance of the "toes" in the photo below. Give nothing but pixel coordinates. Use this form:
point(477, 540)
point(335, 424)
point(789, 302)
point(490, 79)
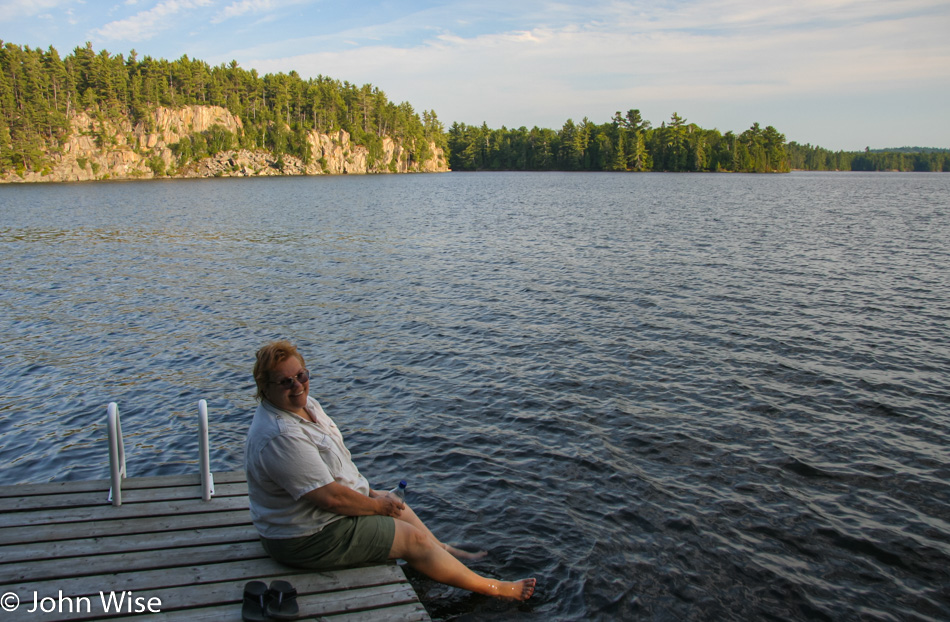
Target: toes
point(527, 588)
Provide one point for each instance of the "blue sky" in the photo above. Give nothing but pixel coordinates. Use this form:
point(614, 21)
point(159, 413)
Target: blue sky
point(843, 74)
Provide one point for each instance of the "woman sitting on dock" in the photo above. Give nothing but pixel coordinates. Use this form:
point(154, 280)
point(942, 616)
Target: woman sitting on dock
point(313, 508)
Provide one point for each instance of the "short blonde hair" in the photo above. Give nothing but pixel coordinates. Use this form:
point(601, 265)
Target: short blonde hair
point(268, 358)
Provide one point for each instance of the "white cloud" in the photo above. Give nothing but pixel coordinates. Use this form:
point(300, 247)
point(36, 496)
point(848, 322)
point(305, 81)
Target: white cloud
point(147, 24)
point(542, 61)
point(270, 9)
point(770, 60)
point(241, 7)
point(11, 10)
point(730, 54)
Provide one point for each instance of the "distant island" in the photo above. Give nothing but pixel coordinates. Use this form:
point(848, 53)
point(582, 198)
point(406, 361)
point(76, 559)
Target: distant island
point(94, 115)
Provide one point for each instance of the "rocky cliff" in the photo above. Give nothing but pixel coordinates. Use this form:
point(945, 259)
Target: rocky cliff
point(97, 149)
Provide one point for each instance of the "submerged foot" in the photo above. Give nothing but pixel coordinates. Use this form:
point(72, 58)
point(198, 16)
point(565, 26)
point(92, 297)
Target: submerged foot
point(465, 555)
point(515, 590)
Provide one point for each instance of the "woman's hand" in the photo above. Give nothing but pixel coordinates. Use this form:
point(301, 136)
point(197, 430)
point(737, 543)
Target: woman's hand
point(389, 505)
point(339, 499)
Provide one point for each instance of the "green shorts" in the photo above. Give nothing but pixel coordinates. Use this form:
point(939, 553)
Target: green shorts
point(348, 542)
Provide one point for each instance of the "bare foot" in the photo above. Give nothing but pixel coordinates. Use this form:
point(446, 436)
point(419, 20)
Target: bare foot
point(465, 555)
point(514, 590)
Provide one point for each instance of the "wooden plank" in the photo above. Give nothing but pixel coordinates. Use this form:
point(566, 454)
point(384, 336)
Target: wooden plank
point(305, 582)
point(325, 592)
point(154, 542)
point(147, 580)
point(408, 612)
point(60, 541)
point(311, 604)
point(359, 599)
point(100, 498)
point(215, 584)
point(41, 532)
point(413, 612)
point(129, 483)
point(45, 569)
point(109, 512)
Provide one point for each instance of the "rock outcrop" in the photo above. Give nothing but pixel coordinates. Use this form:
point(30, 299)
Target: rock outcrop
point(97, 149)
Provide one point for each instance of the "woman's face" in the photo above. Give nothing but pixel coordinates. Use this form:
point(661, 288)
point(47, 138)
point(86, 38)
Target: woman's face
point(285, 391)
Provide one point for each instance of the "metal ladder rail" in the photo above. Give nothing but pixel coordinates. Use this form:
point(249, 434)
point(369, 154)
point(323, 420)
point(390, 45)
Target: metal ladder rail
point(204, 460)
point(117, 471)
point(116, 454)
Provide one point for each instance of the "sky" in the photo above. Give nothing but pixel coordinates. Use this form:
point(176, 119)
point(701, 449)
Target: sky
point(840, 74)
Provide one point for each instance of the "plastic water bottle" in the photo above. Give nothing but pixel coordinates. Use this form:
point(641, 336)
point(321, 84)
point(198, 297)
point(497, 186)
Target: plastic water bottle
point(400, 490)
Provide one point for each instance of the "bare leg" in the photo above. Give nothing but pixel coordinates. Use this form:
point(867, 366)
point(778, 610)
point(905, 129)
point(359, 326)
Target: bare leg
point(410, 517)
point(425, 555)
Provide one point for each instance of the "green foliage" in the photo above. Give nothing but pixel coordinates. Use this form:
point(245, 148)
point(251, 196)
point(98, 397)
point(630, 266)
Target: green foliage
point(904, 159)
point(219, 139)
point(39, 92)
point(157, 165)
point(204, 144)
point(626, 143)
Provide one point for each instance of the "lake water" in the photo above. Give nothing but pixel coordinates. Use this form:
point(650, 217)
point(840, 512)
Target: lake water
point(668, 397)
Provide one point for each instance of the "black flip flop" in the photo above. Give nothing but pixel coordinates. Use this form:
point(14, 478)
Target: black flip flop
point(255, 602)
point(282, 603)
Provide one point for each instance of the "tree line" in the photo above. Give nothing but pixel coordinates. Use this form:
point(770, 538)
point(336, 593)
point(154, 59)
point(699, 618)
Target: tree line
point(40, 91)
point(809, 158)
point(630, 143)
point(626, 143)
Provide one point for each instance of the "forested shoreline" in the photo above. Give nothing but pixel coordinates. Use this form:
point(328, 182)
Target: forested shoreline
point(626, 143)
point(630, 143)
point(41, 93)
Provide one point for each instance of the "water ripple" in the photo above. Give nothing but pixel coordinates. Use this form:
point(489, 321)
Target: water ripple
point(669, 397)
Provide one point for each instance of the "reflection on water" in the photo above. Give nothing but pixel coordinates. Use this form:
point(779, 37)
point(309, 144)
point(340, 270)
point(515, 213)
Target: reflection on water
point(670, 397)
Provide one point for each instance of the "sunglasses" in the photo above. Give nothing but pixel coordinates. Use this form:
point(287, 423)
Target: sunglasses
point(288, 383)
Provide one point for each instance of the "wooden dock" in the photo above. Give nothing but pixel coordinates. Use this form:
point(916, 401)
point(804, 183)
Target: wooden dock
point(65, 548)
